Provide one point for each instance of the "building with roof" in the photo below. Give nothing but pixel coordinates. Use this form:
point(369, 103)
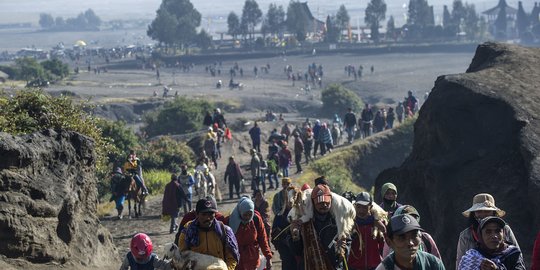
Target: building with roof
point(313, 24)
point(493, 13)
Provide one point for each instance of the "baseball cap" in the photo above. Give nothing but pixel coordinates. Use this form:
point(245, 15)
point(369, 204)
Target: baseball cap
point(400, 224)
point(206, 205)
point(492, 219)
point(321, 193)
point(363, 198)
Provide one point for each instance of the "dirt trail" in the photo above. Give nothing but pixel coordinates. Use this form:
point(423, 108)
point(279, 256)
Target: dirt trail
point(158, 230)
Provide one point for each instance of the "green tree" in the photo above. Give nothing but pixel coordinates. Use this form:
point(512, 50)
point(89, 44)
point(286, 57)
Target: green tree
point(92, 20)
point(120, 136)
point(175, 23)
point(391, 29)
point(46, 20)
point(29, 69)
point(275, 18)
point(522, 20)
point(419, 17)
point(203, 40)
point(471, 22)
point(179, 116)
point(342, 19)
point(458, 15)
point(59, 22)
point(166, 153)
point(447, 18)
point(337, 96)
point(251, 16)
point(56, 68)
point(375, 13)
point(297, 20)
point(233, 23)
point(332, 31)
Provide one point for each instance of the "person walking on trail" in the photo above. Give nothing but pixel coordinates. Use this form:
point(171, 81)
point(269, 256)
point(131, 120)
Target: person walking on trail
point(208, 120)
point(316, 141)
point(210, 146)
point(427, 244)
point(209, 236)
point(399, 112)
point(483, 206)
point(389, 195)
point(119, 185)
point(366, 123)
point(390, 117)
point(141, 255)
point(411, 102)
point(234, 175)
point(308, 144)
point(248, 227)
point(403, 236)
point(192, 215)
point(171, 201)
point(263, 168)
point(186, 181)
point(492, 252)
point(365, 247)
point(133, 167)
point(263, 207)
point(273, 169)
point(255, 134)
point(316, 241)
point(219, 119)
point(285, 159)
point(298, 151)
point(325, 139)
point(281, 235)
point(349, 122)
point(255, 168)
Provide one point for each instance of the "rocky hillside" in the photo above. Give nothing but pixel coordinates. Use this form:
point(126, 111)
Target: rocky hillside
point(48, 202)
point(477, 132)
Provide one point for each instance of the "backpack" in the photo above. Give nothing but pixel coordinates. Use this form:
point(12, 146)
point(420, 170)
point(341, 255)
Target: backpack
point(272, 166)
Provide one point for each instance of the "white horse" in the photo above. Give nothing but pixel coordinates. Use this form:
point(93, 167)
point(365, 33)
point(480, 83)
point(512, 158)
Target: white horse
point(190, 260)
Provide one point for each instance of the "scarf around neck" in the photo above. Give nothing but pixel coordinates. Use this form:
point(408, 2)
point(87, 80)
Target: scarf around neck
point(243, 206)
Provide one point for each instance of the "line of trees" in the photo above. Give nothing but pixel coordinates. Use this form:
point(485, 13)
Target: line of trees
point(85, 21)
point(176, 22)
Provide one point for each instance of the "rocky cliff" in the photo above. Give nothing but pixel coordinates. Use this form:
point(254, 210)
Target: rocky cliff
point(477, 132)
point(48, 200)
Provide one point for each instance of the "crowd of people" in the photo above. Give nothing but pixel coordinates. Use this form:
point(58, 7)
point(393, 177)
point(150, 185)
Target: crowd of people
point(384, 235)
point(393, 240)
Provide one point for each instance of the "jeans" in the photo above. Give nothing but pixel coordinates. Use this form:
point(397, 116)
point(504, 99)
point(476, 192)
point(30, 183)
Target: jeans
point(275, 178)
point(236, 185)
point(285, 171)
point(350, 134)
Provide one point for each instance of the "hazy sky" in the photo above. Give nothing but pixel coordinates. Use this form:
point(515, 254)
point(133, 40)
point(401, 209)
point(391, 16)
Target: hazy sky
point(212, 10)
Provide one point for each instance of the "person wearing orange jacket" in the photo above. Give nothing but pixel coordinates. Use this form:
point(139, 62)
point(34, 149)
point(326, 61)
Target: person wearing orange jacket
point(248, 227)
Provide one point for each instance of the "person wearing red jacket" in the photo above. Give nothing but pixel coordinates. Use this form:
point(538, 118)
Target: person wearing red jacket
point(248, 227)
point(535, 264)
point(365, 248)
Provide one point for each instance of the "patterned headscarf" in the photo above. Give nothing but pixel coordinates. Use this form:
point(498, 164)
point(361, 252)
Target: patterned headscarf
point(244, 205)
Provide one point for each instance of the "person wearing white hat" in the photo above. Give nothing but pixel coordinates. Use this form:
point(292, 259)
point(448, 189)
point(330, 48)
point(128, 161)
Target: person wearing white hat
point(483, 206)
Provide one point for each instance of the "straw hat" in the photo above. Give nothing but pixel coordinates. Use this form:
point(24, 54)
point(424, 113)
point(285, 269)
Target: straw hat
point(483, 201)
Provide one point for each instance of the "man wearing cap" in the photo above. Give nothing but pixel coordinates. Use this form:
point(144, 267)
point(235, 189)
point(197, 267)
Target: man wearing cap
point(483, 206)
point(209, 236)
point(365, 249)
point(403, 236)
point(317, 241)
point(492, 252)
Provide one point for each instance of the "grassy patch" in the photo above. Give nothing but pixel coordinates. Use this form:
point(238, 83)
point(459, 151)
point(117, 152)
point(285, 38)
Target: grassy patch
point(104, 209)
point(155, 180)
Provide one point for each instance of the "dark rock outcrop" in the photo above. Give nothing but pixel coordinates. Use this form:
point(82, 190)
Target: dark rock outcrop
point(48, 200)
point(477, 132)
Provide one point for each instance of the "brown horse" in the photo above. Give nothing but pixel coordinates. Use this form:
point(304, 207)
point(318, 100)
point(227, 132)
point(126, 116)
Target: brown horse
point(136, 195)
